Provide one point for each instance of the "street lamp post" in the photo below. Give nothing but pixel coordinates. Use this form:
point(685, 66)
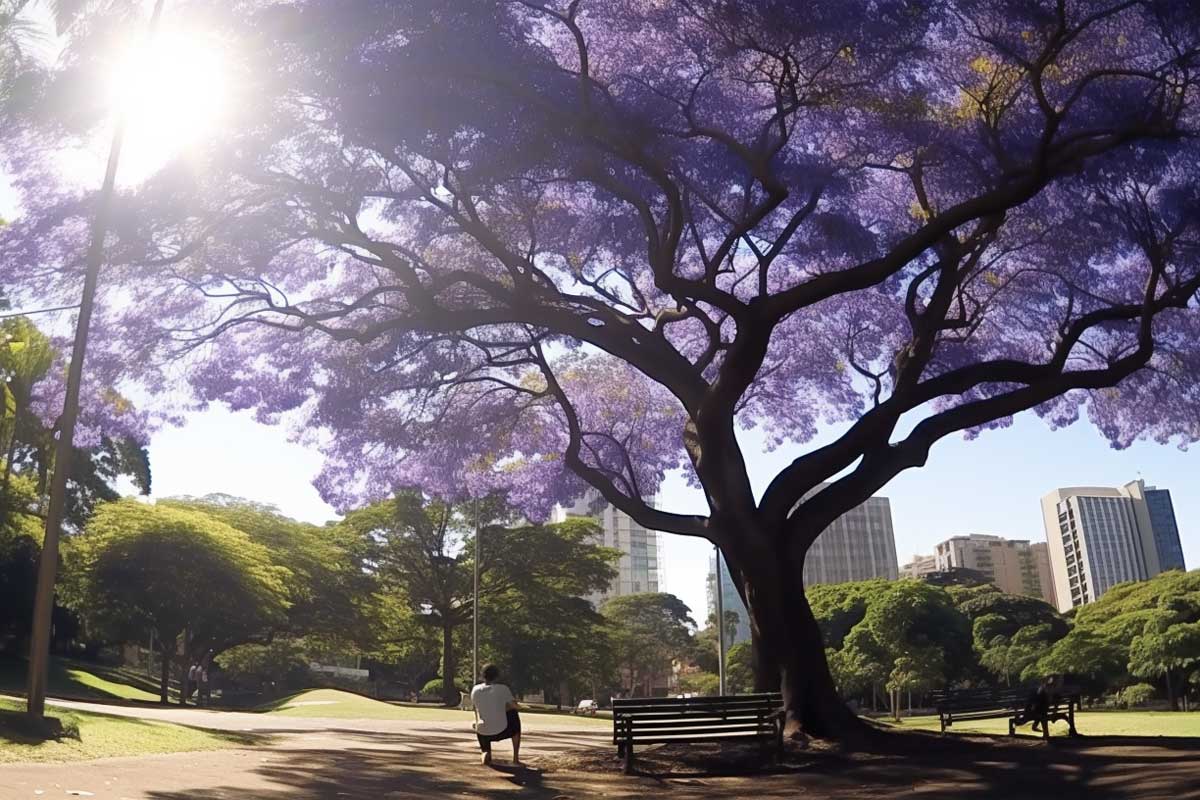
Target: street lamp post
point(475, 604)
point(43, 604)
point(720, 628)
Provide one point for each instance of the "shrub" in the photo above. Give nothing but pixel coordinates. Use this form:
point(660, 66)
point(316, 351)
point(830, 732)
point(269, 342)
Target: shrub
point(1139, 694)
point(434, 687)
point(281, 663)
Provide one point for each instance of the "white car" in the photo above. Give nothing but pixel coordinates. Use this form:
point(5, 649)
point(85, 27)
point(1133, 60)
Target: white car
point(587, 707)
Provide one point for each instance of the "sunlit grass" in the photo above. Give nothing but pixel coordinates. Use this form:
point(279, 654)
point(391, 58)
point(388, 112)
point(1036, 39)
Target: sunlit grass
point(335, 704)
point(90, 735)
point(78, 680)
point(1088, 723)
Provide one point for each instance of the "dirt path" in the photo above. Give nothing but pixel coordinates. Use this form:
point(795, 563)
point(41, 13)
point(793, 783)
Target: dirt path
point(323, 759)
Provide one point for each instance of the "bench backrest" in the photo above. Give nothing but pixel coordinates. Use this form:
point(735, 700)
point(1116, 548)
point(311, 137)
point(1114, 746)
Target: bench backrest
point(978, 699)
point(685, 717)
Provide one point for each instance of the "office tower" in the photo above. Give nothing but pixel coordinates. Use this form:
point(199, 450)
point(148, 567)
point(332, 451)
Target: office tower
point(919, 567)
point(1013, 565)
point(1100, 536)
point(638, 566)
point(859, 545)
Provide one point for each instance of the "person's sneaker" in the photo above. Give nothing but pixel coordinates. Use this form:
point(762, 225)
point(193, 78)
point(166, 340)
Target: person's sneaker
point(485, 759)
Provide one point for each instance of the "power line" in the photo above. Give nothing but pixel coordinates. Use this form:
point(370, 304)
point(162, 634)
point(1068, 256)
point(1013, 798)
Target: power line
point(8, 314)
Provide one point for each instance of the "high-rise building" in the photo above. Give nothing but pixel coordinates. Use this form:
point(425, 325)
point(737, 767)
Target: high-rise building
point(639, 565)
point(858, 546)
point(1100, 536)
point(1013, 565)
point(1166, 530)
point(919, 567)
point(730, 600)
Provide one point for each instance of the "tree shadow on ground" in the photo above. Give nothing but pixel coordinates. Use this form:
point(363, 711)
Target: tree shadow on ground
point(435, 765)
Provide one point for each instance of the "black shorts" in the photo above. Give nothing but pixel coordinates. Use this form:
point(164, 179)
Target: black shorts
point(513, 727)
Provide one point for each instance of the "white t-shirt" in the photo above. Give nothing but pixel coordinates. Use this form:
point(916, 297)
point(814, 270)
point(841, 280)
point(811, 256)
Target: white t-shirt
point(491, 701)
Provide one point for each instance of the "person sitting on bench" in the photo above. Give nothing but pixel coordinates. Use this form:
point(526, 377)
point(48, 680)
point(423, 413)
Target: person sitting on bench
point(1039, 704)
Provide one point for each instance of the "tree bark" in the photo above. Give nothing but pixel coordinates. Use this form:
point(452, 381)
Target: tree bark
point(449, 667)
point(790, 653)
point(1171, 698)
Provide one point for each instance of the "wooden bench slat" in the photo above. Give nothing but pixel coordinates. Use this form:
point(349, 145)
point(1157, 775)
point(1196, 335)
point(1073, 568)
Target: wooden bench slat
point(666, 701)
point(683, 735)
point(707, 722)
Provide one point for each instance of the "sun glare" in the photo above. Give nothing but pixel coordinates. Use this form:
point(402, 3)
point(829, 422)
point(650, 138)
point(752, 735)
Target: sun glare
point(172, 93)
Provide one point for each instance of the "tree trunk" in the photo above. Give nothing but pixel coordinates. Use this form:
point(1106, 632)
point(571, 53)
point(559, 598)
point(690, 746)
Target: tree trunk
point(450, 694)
point(164, 678)
point(1171, 698)
point(790, 653)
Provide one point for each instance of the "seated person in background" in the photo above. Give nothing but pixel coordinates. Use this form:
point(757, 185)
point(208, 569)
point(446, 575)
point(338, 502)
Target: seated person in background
point(496, 715)
point(1039, 703)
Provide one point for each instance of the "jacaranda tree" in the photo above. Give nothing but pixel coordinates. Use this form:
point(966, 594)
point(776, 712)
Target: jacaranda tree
point(543, 245)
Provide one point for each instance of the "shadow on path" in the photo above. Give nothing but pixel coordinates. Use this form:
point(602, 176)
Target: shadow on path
point(434, 765)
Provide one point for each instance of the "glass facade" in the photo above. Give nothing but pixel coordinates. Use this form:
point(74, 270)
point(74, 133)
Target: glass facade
point(730, 599)
point(638, 567)
point(1166, 530)
point(858, 546)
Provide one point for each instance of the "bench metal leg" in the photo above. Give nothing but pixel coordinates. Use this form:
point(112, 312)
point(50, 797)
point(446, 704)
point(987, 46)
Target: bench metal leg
point(628, 757)
point(1012, 726)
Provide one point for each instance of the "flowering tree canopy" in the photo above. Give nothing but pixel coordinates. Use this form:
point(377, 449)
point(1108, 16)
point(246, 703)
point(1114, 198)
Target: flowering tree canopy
point(540, 245)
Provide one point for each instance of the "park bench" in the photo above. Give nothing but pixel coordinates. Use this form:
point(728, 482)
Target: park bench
point(666, 720)
point(960, 705)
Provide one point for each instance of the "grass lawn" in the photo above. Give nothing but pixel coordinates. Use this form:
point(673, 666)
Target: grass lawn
point(82, 681)
point(332, 703)
point(101, 736)
point(1088, 723)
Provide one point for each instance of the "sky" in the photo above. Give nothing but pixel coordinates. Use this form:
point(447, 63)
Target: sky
point(992, 484)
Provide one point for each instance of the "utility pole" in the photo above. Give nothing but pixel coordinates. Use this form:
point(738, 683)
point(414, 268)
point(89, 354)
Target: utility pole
point(43, 604)
point(720, 628)
point(475, 603)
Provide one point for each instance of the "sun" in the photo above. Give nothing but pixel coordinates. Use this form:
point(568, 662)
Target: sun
point(171, 94)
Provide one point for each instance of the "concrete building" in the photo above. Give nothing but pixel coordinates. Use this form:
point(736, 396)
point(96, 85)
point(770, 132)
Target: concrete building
point(1100, 536)
point(639, 565)
point(1013, 565)
point(919, 567)
point(730, 600)
point(858, 546)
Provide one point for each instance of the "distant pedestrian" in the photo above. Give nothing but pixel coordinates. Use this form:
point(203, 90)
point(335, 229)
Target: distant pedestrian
point(496, 716)
point(204, 696)
point(191, 682)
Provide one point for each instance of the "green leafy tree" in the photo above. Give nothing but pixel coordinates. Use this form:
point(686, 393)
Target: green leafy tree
point(916, 668)
point(1096, 660)
point(332, 595)
point(1166, 650)
point(708, 643)
point(862, 663)
point(277, 666)
point(649, 631)
point(140, 567)
point(919, 623)
point(739, 668)
point(424, 553)
point(705, 684)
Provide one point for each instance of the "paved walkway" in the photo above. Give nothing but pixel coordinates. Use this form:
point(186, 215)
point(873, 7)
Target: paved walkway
point(304, 758)
point(332, 759)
